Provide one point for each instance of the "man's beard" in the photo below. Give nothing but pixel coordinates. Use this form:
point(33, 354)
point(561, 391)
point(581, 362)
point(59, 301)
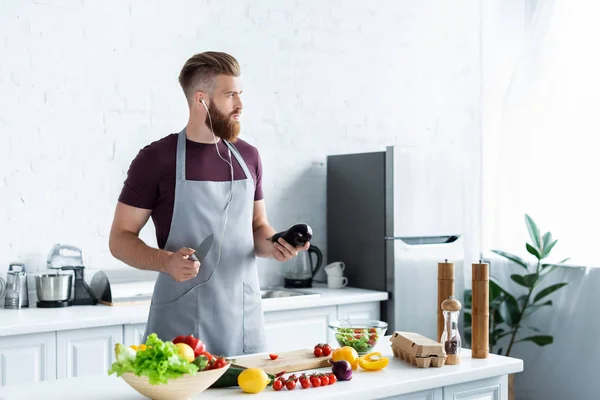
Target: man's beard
point(223, 125)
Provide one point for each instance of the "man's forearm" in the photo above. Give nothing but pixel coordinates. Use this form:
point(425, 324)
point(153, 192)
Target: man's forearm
point(263, 247)
point(130, 249)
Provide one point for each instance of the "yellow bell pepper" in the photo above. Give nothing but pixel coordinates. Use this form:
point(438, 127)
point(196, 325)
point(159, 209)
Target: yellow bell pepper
point(346, 353)
point(373, 361)
point(141, 347)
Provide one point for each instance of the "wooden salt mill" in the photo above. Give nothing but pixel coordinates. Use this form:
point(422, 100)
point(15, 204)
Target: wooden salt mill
point(445, 290)
point(451, 340)
point(480, 318)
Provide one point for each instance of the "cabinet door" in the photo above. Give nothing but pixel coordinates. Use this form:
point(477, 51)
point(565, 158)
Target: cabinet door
point(27, 358)
point(433, 394)
point(84, 352)
point(294, 329)
point(359, 311)
point(485, 389)
point(134, 334)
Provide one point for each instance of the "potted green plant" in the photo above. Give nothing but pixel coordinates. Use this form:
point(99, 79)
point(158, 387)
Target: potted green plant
point(509, 312)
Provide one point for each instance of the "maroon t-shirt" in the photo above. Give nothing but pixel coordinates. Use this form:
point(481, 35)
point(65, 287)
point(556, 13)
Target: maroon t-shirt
point(150, 181)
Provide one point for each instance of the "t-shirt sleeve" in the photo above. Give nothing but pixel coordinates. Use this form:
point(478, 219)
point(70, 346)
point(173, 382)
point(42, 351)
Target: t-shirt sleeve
point(258, 192)
point(140, 188)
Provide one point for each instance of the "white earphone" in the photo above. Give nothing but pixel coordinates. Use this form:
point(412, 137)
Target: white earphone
point(230, 162)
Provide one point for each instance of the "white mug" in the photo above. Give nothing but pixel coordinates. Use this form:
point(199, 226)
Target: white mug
point(336, 282)
point(335, 268)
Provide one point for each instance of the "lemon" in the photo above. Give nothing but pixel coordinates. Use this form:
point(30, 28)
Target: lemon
point(253, 380)
point(185, 351)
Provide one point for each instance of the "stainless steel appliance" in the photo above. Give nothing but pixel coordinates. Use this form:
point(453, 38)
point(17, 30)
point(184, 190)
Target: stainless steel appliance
point(61, 289)
point(391, 217)
point(300, 271)
point(17, 295)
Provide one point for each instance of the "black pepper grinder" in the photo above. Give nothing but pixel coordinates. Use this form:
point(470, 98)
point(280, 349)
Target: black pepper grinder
point(451, 341)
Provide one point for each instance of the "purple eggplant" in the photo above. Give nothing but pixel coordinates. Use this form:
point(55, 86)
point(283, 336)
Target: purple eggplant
point(297, 235)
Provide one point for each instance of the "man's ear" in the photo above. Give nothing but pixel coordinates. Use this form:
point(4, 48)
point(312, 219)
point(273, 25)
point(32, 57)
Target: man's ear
point(199, 96)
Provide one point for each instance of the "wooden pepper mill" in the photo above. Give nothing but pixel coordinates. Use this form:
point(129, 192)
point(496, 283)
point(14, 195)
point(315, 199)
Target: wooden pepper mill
point(445, 290)
point(480, 318)
point(451, 340)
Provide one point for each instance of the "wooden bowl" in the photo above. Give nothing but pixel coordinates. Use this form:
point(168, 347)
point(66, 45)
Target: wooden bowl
point(182, 388)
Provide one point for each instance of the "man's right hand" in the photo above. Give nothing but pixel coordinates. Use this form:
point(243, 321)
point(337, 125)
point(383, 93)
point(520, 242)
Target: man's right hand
point(180, 267)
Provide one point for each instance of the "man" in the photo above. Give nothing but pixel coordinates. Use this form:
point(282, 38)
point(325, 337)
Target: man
point(202, 183)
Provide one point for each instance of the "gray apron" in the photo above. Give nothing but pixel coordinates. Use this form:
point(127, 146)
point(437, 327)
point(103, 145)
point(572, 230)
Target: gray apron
point(221, 306)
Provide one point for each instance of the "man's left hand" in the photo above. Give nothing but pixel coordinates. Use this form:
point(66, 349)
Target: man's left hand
point(283, 251)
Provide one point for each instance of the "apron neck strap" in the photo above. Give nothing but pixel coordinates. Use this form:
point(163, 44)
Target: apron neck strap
point(180, 167)
point(239, 159)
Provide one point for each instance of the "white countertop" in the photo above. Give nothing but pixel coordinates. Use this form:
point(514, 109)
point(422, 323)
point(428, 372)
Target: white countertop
point(35, 320)
point(398, 378)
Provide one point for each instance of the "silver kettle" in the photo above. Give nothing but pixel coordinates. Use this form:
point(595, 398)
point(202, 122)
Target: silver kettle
point(17, 295)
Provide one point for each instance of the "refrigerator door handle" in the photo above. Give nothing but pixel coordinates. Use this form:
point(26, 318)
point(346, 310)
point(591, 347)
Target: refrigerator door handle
point(424, 240)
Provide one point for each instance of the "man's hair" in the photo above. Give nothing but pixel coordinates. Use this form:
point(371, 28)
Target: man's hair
point(200, 70)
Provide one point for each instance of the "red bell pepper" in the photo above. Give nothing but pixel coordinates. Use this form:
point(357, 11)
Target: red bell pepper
point(196, 344)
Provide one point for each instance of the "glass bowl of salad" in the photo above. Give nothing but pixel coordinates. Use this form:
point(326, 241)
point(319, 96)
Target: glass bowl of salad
point(360, 334)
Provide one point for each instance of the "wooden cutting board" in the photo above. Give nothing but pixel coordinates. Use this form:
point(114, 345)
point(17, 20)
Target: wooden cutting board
point(288, 361)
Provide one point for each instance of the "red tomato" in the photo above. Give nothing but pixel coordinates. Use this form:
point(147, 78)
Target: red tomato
point(317, 346)
point(273, 356)
point(318, 352)
point(324, 380)
point(316, 382)
point(326, 350)
point(290, 384)
point(304, 382)
point(220, 363)
point(277, 385)
point(332, 379)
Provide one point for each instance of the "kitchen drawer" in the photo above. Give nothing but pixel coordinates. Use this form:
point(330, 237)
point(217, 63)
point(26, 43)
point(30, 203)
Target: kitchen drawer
point(85, 352)
point(294, 329)
point(133, 334)
point(27, 358)
point(359, 310)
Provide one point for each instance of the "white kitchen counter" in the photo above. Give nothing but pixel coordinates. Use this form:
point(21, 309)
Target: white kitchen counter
point(398, 378)
point(36, 320)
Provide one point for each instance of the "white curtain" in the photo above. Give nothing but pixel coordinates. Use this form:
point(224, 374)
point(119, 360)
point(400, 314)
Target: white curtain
point(541, 133)
point(541, 141)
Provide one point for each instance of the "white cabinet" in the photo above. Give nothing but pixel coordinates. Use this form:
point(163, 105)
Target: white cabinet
point(85, 352)
point(27, 358)
point(359, 311)
point(293, 329)
point(484, 389)
point(133, 334)
point(433, 394)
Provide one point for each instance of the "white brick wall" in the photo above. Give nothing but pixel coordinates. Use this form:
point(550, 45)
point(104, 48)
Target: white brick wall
point(84, 84)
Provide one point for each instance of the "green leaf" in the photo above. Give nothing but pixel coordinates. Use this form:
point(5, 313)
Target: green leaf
point(540, 340)
point(548, 248)
point(534, 307)
point(528, 280)
point(511, 257)
point(533, 251)
point(550, 289)
point(495, 290)
point(509, 311)
point(564, 261)
point(546, 240)
point(534, 232)
point(519, 279)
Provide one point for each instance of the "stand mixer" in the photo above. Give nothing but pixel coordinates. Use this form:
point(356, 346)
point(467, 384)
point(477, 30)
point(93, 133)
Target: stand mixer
point(54, 289)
